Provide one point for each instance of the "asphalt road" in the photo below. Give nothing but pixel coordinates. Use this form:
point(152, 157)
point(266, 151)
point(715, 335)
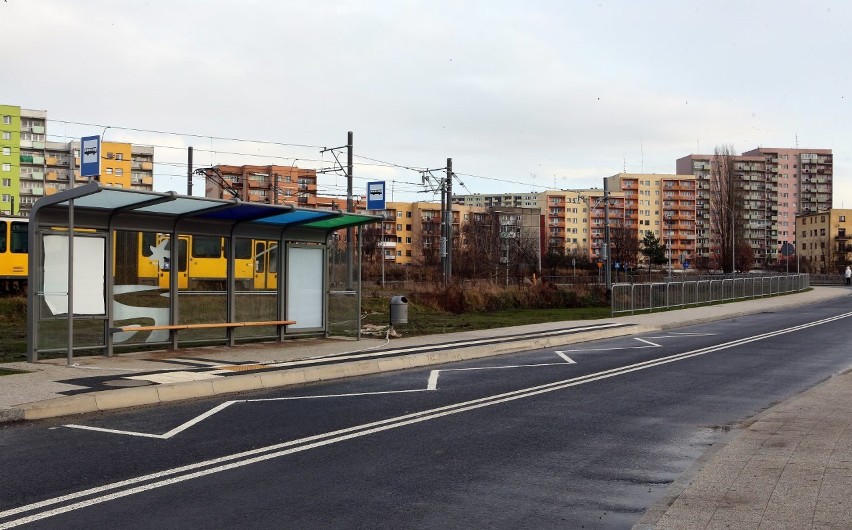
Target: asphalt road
point(589, 437)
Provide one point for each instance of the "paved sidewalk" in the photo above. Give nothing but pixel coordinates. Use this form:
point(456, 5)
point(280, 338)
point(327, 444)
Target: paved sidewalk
point(790, 467)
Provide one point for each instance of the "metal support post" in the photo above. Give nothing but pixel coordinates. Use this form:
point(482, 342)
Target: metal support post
point(350, 232)
point(448, 264)
point(189, 171)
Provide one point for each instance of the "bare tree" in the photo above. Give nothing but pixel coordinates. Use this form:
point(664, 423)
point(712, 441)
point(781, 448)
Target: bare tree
point(427, 242)
point(625, 245)
point(480, 246)
point(726, 203)
point(371, 238)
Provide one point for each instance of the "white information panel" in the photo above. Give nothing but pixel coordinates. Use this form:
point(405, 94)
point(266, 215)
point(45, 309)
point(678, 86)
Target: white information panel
point(89, 297)
point(305, 290)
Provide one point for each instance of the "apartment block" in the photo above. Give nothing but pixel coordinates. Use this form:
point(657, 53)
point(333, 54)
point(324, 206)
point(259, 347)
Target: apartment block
point(824, 241)
point(662, 204)
point(411, 232)
point(566, 220)
point(265, 184)
point(775, 185)
point(804, 184)
point(499, 200)
point(10, 160)
point(31, 166)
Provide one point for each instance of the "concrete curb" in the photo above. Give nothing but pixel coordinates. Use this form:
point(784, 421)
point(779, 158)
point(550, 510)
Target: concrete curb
point(105, 400)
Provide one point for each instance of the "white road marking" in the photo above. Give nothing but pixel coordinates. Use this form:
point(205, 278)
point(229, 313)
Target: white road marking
point(433, 375)
point(568, 360)
point(432, 384)
point(471, 342)
point(613, 349)
point(646, 341)
point(218, 465)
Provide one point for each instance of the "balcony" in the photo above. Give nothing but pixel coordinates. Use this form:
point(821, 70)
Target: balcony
point(37, 175)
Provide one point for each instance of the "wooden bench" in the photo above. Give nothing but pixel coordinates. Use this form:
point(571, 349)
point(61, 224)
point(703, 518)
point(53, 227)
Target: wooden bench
point(133, 327)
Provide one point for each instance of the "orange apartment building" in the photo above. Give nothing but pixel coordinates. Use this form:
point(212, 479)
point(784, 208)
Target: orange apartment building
point(664, 205)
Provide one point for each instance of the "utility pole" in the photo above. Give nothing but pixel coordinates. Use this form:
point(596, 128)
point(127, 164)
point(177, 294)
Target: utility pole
point(442, 245)
point(448, 271)
point(338, 168)
point(350, 232)
point(189, 171)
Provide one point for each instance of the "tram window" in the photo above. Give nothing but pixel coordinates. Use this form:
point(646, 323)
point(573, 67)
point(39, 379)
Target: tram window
point(243, 248)
point(273, 258)
point(19, 243)
point(149, 240)
point(206, 247)
point(2, 236)
point(181, 255)
point(259, 257)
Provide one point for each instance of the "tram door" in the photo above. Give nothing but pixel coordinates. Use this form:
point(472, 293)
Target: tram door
point(165, 267)
point(265, 265)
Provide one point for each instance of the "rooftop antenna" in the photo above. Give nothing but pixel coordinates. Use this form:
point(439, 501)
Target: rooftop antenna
point(797, 140)
point(642, 151)
point(624, 164)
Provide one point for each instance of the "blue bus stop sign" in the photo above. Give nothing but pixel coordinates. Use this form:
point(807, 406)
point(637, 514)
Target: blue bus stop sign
point(376, 195)
point(90, 156)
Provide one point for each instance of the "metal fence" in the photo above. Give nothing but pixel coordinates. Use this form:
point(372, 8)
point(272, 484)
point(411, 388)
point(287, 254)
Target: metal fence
point(630, 298)
point(828, 279)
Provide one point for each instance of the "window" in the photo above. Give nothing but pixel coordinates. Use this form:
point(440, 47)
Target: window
point(408, 215)
point(842, 218)
point(119, 172)
point(408, 253)
point(408, 240)
point(7, 167)
point(7, 182)
point(399, 228)
point(206, 247)
point(7, 135)
point(7, 120)
point(399, 214)
point(7, 151)
point(19, 238)
point(108, 171)
point(408, 228)
point(119, 156)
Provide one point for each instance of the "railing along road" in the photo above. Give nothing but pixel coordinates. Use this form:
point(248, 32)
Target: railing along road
point(630, 298)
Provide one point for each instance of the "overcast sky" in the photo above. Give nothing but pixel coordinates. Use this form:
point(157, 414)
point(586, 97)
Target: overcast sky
point(522, 95)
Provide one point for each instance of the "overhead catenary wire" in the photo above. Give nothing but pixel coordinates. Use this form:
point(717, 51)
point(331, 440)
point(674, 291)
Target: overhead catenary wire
point(372, 161)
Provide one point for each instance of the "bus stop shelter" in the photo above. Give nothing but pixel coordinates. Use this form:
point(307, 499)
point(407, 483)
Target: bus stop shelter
point(239, 271)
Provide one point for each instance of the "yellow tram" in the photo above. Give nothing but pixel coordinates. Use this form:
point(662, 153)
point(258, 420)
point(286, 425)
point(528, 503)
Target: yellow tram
point(143, 258)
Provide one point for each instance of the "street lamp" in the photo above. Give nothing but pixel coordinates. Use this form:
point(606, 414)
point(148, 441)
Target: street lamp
point(668, 221)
